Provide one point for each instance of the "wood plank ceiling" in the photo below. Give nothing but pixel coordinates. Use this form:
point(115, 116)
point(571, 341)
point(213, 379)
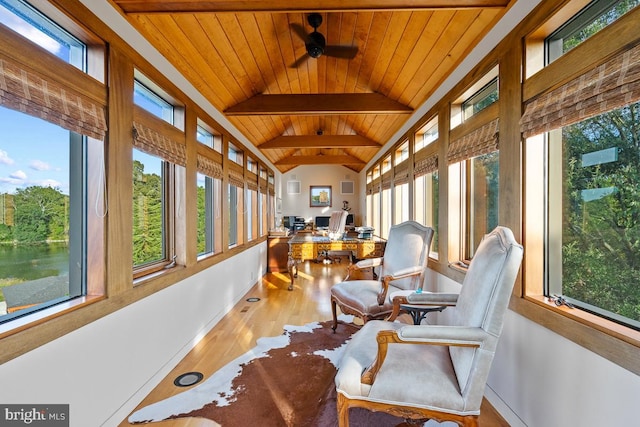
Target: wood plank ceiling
point(240, 56)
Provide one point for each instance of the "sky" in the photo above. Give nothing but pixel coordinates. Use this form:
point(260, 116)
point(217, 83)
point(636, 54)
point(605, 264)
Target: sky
point(32, 152)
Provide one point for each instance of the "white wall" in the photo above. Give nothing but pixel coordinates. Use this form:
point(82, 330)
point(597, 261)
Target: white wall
point(541, 379)
point(298, 204)
point(104, 369)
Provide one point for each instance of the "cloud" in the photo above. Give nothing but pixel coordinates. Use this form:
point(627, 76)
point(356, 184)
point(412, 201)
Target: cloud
point(4, 158)
point(49, 183)
point(39, 165)
point(28, 31)
point(20, 175)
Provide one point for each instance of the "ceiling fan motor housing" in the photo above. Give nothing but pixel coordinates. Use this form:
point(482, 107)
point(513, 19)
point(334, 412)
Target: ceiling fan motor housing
point(315, 45)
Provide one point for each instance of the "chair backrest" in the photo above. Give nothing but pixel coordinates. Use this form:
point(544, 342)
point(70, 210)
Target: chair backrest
point(407, 246)
point(482, 303)
point(337, 224)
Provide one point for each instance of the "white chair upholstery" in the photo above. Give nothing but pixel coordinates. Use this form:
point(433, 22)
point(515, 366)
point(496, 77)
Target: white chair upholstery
point(337, 224)
point(435, 371)
point(401, 268)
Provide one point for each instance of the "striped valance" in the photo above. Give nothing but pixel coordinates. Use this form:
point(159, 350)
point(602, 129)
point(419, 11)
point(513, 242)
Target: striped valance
point(482, 140)
point(29, 92)
point(153, 142)
point(236, 178)
point(252, 185)
point(401, 175)
point(612, 85)
point(425, 166)
point(209, 167)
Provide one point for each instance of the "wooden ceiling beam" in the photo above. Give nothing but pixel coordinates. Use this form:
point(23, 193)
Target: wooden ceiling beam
point(319, 141)
point(196, 6)
point(318, 104)
point(320, 160)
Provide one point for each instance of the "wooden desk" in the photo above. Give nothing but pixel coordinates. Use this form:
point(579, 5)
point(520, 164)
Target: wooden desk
point(303, 247)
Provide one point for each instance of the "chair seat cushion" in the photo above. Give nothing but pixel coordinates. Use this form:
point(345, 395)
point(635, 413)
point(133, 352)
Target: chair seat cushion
point(361, 296)
point(413, 374)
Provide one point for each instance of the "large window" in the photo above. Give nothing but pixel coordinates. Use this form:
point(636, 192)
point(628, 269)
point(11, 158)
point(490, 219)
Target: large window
point(209, 204)
point(51, 180)
point(481, 199)
point(236, 208)
point(594, 219)
point(153, 190)
point(42, 193)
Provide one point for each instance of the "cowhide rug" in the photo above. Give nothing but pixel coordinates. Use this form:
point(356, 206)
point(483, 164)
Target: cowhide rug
point(284, 381)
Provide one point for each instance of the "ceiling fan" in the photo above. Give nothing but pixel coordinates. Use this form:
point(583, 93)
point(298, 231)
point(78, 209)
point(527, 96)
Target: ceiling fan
point(316, 44)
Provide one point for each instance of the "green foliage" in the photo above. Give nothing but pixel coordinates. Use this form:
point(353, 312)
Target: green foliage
point(41, 214)
point(148, 216)
point(202, 217)
point(601, 237)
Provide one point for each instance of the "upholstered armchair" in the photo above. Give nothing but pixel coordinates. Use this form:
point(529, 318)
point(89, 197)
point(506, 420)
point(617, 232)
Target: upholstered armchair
point(439, 371)
point(400, 269)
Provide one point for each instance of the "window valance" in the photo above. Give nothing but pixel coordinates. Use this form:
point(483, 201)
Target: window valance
point(157, 137)
point(25, 90)
point(209, 167)
point(483, 140)
point(425, 166)
point(611, 85)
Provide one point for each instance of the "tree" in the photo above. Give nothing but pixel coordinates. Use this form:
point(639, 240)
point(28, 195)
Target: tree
point(40, 215)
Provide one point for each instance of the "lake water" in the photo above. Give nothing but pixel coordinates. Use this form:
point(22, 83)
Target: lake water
point(30, 262)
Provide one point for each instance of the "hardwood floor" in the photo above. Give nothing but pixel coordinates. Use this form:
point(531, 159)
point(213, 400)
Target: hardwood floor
point(238, 331)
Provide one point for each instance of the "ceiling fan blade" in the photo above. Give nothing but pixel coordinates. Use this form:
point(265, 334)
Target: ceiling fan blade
point(299, 31)
point(300, 61)
point(345, 52)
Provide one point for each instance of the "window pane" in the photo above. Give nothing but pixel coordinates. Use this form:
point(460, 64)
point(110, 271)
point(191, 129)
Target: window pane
point(481, 99)
point(235, 212)
point(601, 215)
point(426, 135)
point(483, 199)
point(150, 101)
point(426, 205)
point(401, 195)
point(594, 17)
point(28, 22)
point(42, 192)
point(148, 209)
point(208, 214)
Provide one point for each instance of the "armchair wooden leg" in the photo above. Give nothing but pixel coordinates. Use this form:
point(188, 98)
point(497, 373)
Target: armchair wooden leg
point(335, 315)
point(343, 411)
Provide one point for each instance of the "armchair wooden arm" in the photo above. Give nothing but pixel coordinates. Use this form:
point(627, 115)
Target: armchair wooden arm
point(407, 272)
point(473, 339)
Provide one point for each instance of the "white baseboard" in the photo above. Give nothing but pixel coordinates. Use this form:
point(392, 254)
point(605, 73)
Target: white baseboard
point(503, 409)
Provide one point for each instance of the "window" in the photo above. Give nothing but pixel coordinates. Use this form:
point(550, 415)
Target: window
point(426, 190)
point(153, 187)
point(593, 236)
point(43, 190)
point(209, 204)
point(595, 16)
point(481, 200)
point(28, 22)
point(47, 202)
point(401, 153)
point(236, 209)
point(235, 154)
point(426, 135)
point(252, 214)
point(401, 199)
point(208, 138)
point(480, 100)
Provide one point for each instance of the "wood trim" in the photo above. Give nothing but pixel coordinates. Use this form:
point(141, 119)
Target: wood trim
point(318, 103)
point(191, 6)
point(318, 160)
point(609, 340)
point(319, 141)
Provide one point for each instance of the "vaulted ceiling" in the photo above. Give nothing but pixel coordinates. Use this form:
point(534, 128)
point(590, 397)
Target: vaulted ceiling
point(249, 59)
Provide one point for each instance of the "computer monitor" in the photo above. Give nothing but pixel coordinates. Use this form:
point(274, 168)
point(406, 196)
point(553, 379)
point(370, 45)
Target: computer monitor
point(322, 221)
